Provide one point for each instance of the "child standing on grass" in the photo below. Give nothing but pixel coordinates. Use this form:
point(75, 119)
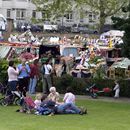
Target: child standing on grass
point(116, 89)
point(69, 96)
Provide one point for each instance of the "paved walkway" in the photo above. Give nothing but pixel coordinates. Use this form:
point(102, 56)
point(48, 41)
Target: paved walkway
point(106, 99)
point(100, 98)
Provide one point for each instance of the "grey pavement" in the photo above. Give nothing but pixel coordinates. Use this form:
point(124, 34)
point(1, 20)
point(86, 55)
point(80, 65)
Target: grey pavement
point(100, 98)
point(106, 99)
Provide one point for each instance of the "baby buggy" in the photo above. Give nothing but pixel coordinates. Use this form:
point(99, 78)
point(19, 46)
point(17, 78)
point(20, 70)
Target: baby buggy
point(9, 97)
point(93, 91)
point(27, 105)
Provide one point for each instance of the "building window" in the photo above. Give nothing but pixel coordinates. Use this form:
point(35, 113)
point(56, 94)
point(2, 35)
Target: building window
point(43, 14)
point(69, 17)
point(8, 13)
point(92, 17)
point(34, 14)
point(20, 14)
point(81, 20)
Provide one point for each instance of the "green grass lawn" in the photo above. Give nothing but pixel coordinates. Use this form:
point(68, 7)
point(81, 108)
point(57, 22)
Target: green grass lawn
point(101, 116)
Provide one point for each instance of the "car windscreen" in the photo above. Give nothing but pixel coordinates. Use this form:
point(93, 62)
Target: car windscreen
point(68, 51)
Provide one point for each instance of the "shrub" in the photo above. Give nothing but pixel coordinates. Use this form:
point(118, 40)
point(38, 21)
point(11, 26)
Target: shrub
point(3, 70)
point(79, 85)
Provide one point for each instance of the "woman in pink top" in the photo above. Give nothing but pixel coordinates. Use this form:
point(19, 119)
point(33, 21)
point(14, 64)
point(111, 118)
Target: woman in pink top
point(12, 76)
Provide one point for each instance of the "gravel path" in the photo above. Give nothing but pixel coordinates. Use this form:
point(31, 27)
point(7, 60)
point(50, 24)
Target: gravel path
point(106, 99)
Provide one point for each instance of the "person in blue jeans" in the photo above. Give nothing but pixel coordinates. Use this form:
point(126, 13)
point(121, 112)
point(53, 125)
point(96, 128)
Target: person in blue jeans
point(63, 108)
point(68, 108)
point(23, 77)
point(34, 75)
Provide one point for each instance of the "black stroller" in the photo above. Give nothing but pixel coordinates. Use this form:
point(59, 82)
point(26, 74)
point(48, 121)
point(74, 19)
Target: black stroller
point(9, 97)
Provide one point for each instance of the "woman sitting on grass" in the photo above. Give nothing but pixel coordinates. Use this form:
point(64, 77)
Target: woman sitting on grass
point(53, 96)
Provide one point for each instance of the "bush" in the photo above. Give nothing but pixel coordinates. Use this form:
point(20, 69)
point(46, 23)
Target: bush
point(3, 70)
point(62, 82)
point(79, 85)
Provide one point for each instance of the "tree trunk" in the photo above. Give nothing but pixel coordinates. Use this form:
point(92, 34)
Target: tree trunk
point(102, 16)
point(101, 24)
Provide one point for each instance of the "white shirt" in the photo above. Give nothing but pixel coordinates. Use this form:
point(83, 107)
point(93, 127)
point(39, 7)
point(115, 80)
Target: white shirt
point(12, 74)
point(48, 68)
point(37, 103)
point(117, 87)
point(69, 98)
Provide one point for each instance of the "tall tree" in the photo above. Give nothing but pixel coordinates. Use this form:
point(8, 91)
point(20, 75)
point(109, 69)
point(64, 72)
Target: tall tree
point(124, 24)
point(106, 8)
point(55, 8)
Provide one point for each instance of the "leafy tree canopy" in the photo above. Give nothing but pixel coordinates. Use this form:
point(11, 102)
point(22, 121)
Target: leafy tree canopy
point(124, 24)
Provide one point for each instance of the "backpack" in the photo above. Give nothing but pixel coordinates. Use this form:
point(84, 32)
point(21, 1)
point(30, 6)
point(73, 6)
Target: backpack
point(43, 69)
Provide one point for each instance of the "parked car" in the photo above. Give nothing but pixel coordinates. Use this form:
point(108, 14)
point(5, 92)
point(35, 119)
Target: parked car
point(50, 27)
point(36, 28)
point(82, 29)
point(64, 29)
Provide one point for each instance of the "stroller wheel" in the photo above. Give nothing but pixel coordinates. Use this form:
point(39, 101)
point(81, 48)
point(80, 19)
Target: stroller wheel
point(3, 102)
point(17, 101)
point(94, 95)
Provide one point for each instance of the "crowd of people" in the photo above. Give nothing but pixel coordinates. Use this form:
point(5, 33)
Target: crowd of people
point(24, 78)
point(50, 104)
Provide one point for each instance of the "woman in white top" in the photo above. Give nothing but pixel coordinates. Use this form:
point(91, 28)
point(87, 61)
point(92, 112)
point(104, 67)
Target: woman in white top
point(12, 76)
point(47, 80)
point(69, 96)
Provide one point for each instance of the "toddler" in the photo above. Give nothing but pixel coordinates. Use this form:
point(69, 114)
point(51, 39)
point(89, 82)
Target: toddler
point(38, 100)
point(116, 89)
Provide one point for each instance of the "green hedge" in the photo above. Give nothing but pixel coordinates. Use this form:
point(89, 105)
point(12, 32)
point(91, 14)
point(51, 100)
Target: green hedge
point(3, 69)
point(79, 85)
